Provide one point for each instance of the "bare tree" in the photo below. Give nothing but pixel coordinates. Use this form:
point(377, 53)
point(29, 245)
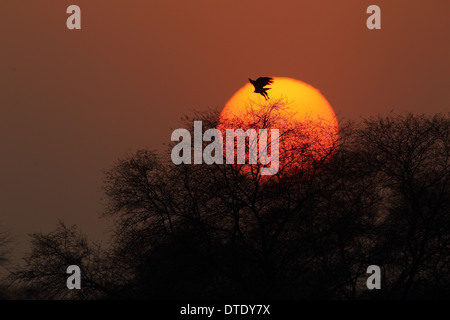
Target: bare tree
point(5, 251)
point(310, 231)
point(378, 194)
point(258, 235)
point(44, 272)
point(411, 157)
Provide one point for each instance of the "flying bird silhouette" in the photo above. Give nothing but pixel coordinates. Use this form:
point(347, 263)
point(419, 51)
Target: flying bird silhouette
point(259, 85)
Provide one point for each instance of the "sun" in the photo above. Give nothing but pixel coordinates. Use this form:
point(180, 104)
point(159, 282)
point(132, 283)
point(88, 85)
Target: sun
point(303, 100)
point(307, 122)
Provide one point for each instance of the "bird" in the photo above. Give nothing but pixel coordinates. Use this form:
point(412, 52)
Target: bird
point(259, 85)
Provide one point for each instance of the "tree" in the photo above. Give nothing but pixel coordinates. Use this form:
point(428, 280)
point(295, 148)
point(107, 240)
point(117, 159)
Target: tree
point(410, 155)
point(5, 241)
point(380, 198)
point(251, 237)
point(380, 195)
point(44, 272)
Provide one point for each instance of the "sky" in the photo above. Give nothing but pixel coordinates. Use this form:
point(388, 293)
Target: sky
point(74, 101)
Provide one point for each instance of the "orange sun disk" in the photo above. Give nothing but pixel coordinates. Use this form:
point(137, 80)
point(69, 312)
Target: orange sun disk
point(304, 107)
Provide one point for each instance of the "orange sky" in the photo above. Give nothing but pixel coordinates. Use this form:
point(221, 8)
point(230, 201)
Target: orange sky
point(72, 102)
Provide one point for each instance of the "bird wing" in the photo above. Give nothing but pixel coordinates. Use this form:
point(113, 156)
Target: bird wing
point(263, 81)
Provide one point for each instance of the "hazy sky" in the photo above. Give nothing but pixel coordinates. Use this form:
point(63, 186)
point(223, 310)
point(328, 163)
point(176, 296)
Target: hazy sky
point(72, 102)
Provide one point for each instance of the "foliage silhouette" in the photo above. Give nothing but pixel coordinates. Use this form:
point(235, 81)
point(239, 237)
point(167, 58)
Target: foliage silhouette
point(379, 196)
point(5, 252)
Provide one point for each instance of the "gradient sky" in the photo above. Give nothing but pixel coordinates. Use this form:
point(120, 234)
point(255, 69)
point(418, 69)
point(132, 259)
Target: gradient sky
point(73, 102)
